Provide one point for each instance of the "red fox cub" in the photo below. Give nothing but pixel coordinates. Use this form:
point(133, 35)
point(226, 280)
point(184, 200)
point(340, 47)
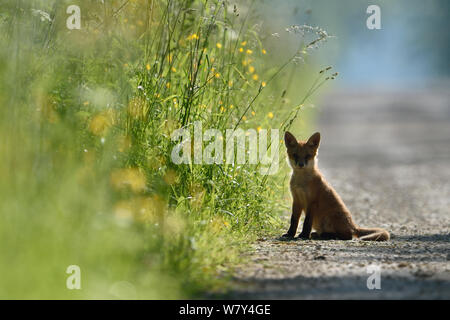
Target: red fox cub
point(325, 212)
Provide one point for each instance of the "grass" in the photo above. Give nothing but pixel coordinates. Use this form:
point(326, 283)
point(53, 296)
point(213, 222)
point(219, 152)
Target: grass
point(85, 119)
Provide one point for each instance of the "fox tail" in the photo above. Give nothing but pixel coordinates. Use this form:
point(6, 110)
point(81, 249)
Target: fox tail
point(372, 234)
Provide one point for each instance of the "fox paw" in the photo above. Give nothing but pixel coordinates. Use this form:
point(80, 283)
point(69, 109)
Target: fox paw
point(303, 236)
point(286, 236)
point(315, 236)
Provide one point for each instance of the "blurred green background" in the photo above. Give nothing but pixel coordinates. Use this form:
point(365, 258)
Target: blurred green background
point(85, 123)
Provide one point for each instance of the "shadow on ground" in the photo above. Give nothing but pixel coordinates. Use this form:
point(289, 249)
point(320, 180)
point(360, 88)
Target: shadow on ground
point(340, 287)
point(425, 238)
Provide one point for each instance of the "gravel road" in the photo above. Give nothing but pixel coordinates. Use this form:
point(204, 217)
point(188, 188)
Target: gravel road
point(388, 155)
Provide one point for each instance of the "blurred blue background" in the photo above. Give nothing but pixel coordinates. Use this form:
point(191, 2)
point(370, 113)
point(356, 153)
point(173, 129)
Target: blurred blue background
point(410, 51)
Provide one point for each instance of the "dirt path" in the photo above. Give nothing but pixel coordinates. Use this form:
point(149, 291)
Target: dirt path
point(388, 156)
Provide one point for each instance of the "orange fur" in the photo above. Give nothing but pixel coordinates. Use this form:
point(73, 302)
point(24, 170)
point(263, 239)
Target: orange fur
point(325, 212)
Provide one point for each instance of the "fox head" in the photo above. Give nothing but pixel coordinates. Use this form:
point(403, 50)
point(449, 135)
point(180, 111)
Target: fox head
point(302, 154)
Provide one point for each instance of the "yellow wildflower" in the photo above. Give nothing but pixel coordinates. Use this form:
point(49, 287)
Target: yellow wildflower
point(171, 177)
point(247, 62)
point(128, 177)
point(123, 143)
point(123, 210)
point(149, 209)
point(100, 123)
point(193, 36)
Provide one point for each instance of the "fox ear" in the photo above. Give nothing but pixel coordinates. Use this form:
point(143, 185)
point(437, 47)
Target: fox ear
point(290, 140)
point(314, 140)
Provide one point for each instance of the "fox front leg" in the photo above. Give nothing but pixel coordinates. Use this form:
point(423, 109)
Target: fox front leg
point(307, 225)
point(295, 217)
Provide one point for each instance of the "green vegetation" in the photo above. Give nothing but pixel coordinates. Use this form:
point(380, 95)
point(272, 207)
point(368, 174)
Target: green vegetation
point(85, 123)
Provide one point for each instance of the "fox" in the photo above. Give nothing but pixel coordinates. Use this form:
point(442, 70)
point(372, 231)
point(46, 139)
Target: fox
point(325, 212)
